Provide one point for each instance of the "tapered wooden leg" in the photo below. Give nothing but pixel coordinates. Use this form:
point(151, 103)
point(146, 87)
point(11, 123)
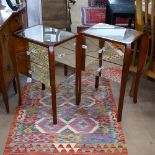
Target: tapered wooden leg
point(97, 78)
point(141, 62)
point(83, 54)
point(108, 15)
point(15, 67)
point(130, 22)
point(14, 85)
point(79, 61)
point(43, 86)
point(113, 20)
point(133, 64)
point(125, 71)
point(65, 70)
point(97, 81)
point(3, 88)
point(53, 83)
point(19, 89)
point(101, 45)
point(132, 87)
point(137, 80)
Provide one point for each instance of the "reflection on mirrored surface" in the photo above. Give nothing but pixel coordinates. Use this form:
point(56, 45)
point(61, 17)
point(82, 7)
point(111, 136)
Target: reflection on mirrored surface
point(46, 35)
point(115, 33)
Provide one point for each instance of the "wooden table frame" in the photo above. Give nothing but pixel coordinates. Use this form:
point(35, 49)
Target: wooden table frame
point(51, 70)
point(125, 70)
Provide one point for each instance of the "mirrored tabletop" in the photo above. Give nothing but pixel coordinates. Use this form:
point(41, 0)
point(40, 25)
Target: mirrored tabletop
point(113, 33)
point(44, 35)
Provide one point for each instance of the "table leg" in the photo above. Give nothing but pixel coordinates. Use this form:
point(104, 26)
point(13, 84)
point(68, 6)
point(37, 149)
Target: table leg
point(43, 87)
point(141, 62)
point(101, 45)
point(83, 53)
point(4, 89)
point(79, 60)
point(15, 67)
point(108, 16)
point(52, 82)
point(125, 71)
point(14, 85)
point(18, 87)
point(65, 70)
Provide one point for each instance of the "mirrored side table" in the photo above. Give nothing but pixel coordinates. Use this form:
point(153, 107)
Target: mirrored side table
point(114, 34)
point(43, 60)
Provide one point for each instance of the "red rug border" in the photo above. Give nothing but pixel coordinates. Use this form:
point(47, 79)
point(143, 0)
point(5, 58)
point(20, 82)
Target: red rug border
point(114, 107)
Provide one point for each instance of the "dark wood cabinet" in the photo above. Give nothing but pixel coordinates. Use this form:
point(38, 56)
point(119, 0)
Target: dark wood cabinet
point(9, 23)
point(17, 23)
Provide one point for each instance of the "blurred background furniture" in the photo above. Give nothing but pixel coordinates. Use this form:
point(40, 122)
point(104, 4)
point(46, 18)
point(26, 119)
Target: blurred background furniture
point(93, 14)
point(11, 21)
point(56, 14)
point(46, 12)
point(99, 11)
point(120, 8)
point(145, 21)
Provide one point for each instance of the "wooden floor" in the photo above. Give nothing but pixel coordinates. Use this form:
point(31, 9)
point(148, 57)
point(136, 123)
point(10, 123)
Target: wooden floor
point(138, 119)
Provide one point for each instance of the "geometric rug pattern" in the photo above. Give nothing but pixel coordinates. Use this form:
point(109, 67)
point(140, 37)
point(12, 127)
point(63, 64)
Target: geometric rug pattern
point(112, 73)
point(88, 129)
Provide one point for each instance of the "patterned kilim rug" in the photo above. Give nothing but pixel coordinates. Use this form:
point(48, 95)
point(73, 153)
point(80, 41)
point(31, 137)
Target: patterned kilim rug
point(88, 129)
point(113, 73)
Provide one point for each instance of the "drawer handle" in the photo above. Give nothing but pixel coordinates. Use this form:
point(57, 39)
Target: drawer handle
point(28, 52)
point(61, 55)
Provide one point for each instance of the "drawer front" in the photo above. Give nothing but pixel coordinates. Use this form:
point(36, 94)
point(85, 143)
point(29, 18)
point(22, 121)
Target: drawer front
point(39, 63)
point(39, 54)
point(40, 73)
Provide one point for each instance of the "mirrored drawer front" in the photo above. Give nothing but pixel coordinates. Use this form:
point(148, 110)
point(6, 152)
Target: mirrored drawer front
point(39, 54)
point(40, 73)
point(39, 63)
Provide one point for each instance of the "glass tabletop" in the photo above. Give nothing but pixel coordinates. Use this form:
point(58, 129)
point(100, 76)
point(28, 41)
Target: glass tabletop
point(44, 35)
point(113, 33)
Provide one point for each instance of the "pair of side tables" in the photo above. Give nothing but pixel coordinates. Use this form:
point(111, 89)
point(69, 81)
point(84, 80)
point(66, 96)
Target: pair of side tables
point(50, 38)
